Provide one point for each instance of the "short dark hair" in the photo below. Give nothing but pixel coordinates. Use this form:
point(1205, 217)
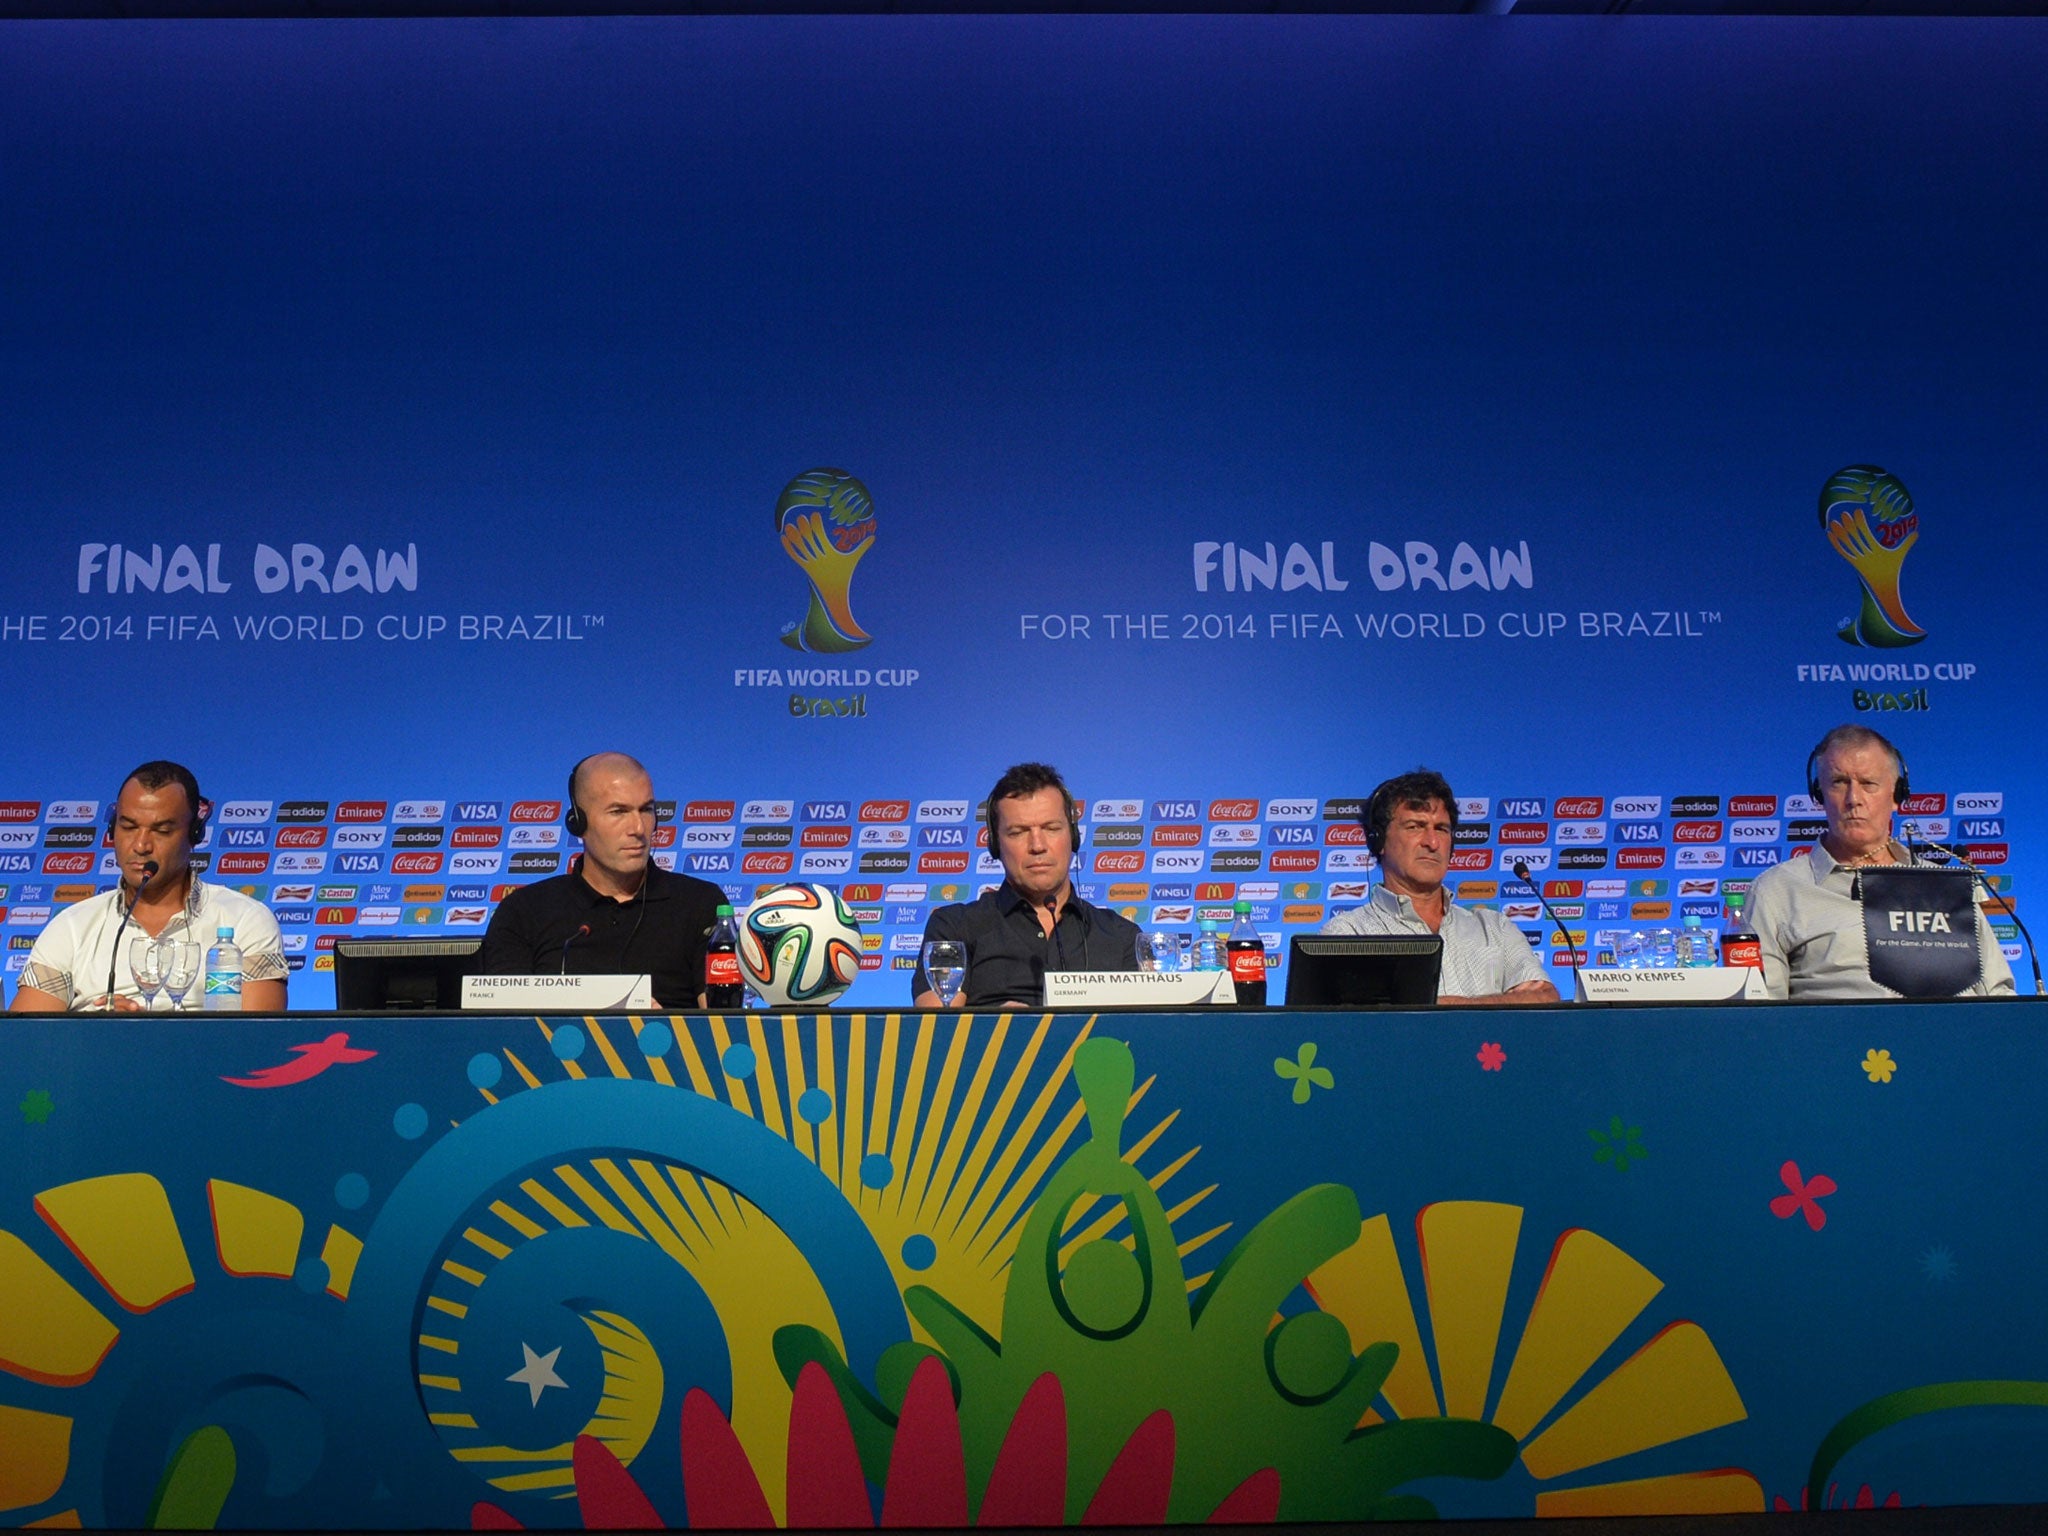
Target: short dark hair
point(1417, 789)
point(159, 772)
point(1853, 735)
point(1022, 779)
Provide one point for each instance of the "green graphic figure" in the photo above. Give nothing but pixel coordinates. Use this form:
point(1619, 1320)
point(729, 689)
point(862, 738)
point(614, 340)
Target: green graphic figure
point(1116, 1327)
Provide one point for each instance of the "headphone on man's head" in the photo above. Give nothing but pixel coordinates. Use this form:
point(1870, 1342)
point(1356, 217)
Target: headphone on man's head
point(574, 818)
point(1379, 815)
point(1900, 789)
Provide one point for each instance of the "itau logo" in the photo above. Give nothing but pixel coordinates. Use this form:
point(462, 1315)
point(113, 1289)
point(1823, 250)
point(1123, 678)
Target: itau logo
point(1869, 518)
point(826, 521)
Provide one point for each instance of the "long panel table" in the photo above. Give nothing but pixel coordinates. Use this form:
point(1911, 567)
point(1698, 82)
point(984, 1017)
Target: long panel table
point(356, 1271)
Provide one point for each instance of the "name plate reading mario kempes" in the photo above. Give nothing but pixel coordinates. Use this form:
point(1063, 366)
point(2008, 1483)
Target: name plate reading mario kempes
point(1685, 984)
point(559, 994)
point(1137, 989)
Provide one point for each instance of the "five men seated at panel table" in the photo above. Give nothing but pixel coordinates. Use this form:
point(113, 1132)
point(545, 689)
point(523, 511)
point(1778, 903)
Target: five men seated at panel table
point(616, 911)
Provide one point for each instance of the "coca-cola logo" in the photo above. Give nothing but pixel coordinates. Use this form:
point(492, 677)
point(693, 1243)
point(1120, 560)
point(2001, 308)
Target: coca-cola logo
point(1752, 805)
point(1344, 834)
point(1696, 832)
point(885, 810)
point(1579, 807)
point(1639, 858)
point(1233, 810)
point(536, 810)
point(79, 863)
point(361, 810)
point(1470, 858)
point(1119, 863)
point(416, 863)
point(302, 837)
point(766, 863)
point(1924, 805)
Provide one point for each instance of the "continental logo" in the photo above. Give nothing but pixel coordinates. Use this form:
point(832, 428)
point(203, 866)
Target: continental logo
point(1129, 890)
point(361, 810)
point(535, 810)
point(1233, 810)
point(1302, 914)
point(1696, 832)
point(1649, 910)
point(426, 893)
point(65, 895)
point(708, 810)
point(1478, 890)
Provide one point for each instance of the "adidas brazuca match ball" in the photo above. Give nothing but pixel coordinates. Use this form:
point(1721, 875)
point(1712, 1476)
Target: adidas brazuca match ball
point(799, 946)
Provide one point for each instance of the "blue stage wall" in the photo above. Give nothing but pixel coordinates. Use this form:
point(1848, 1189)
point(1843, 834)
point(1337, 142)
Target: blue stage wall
point(1539, 338)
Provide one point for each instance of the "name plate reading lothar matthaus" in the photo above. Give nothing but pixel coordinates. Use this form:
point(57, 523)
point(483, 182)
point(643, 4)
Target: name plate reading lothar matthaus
point(558, 994)
point(1685, 984)
point(1137, 989)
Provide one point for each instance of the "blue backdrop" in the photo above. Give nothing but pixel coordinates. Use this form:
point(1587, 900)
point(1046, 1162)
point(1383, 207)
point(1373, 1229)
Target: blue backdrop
point(546, 314)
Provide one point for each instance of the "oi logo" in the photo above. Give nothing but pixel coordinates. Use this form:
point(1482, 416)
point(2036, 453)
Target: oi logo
point(826, 521)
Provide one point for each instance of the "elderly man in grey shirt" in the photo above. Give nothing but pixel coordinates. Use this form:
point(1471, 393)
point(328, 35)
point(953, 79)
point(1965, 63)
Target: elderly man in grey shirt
point(1808, 922)
point(1409, 822)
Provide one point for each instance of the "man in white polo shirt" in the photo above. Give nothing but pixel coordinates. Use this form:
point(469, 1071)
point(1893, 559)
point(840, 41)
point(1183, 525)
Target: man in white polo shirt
point(157, 818)
point(1409, 822)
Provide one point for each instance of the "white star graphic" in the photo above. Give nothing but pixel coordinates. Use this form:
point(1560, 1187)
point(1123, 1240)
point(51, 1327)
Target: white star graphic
point(538, 1374)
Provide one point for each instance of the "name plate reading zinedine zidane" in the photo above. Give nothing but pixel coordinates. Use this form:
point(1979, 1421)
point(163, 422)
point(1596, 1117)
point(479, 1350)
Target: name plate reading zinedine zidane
point(558, 994)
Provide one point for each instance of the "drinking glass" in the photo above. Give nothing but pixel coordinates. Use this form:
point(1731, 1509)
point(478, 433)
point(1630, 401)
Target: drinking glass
point(945, 967)
point(147, 963)
point(181, 969)
point(1160, 950)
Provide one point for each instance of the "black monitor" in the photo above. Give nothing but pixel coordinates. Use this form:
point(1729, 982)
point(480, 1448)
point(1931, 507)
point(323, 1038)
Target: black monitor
point(1358, 970)
point(412, 974)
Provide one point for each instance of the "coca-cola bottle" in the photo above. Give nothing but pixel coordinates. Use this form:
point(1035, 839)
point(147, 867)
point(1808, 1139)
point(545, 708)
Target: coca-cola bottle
point(1245, 954)
point(723, 985)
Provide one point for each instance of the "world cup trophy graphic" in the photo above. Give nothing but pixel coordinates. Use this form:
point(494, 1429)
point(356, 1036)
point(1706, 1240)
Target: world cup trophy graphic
point(826, 521)
point(1869, 518)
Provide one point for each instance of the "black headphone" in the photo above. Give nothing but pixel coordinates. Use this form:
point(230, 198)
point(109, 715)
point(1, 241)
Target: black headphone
point(574, 819)
point(171, 773)
point(1900, 789)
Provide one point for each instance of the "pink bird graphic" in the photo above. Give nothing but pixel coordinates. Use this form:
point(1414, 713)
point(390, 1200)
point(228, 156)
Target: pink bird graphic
point(313, 1060)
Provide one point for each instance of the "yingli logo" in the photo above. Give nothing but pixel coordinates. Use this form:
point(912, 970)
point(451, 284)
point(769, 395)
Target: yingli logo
point(1119, 863)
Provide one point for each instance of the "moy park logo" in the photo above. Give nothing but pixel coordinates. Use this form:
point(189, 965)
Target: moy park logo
point(826, 521)
point(1868, 516)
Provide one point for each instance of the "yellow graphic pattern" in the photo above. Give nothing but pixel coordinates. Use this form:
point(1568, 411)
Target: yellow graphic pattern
point(1673, 1387)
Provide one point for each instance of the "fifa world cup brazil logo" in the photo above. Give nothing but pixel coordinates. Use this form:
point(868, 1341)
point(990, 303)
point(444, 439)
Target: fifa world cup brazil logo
point(1869, 518)
point(826, 521)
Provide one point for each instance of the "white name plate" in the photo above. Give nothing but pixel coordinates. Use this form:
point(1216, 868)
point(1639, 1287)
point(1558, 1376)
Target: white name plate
point(559, 994)
point(1685, 984)
point(1137, 989)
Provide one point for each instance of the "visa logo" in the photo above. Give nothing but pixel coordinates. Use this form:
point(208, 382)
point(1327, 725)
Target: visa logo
point(477, 810)
point(709, 863)
point(1982, 826)
point(1524, 808)
point(942, 837)
point(357, 864)
point(1176, 810)
point(1639, 831)
point(243, 837)
point(828, 810)
point(1292, 834)
point(1756, 856)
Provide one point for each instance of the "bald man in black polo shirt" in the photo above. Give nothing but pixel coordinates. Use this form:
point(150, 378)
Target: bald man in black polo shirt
point(615, 912)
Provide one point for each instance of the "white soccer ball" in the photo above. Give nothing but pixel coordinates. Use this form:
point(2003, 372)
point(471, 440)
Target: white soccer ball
point(799, 946)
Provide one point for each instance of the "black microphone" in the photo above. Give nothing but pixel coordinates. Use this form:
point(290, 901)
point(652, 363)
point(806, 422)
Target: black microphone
point(1571, 950)
point(2011, 911)
point(149, 869)
point(581, 933)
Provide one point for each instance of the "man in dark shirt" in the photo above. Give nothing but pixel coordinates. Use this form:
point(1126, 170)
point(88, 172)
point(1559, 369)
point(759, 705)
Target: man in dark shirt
point(1033, 922)
point(615, 912)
